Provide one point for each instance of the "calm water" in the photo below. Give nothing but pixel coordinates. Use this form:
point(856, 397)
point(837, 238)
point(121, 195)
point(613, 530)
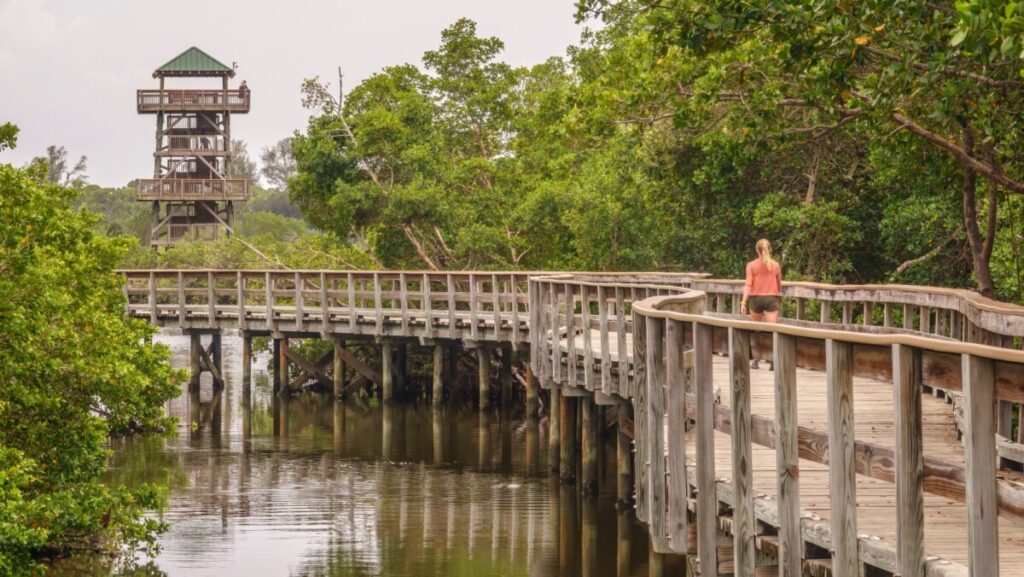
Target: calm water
point(261, 486)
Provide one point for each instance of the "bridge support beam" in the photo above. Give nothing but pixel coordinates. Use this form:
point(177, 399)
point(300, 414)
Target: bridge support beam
point(387, 373)
point(437, 389)
point(570, 450)
point(483, 359)
point(554, 431)
point(217, 356)
point(590, 433)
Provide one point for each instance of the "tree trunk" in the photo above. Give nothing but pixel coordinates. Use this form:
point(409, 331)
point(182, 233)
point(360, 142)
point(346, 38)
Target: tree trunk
point(981, 248)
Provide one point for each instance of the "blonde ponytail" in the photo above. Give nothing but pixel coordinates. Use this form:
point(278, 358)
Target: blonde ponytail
point(764, 250)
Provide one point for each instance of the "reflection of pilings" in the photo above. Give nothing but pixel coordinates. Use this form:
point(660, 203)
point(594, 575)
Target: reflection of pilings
point(506, 440)
point(568, 531)
point(589, 538)
point(282, 405)
point(338, 427)
point(484, 446)
point(483, 359)
point(624, 459)
point(569, 450)
point(554, 431)
point(532, 445)
point(194, 411)
point(387, 432)
point(246, 418)
point(387, 372)
point(656, 563)
point(246, 361)
point(590, 433)
point(624, 534)
point(437, 422)
point(437, 389)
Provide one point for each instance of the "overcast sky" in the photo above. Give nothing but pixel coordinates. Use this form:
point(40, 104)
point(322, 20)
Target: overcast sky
point(69, 68)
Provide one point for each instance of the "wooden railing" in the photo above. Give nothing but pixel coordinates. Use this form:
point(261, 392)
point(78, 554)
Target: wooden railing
point(187, 189)
point(193, 145)
point(192, 100)
point(649, 340)
point(470, 306)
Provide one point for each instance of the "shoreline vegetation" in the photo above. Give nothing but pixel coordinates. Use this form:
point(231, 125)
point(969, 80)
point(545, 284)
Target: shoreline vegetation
point(872, 143)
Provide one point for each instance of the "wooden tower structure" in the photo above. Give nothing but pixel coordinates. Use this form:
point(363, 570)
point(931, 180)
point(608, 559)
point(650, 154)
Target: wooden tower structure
point(192, 192)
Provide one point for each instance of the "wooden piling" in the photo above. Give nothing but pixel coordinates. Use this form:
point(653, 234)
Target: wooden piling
point(387, 373)
point(437, 390)
point(246, 361)
point(531, 392)
point(483, 359)
point(274, 361)
point(338, 367)
point(196, 342)
point(505, 374)
point(590, 446)
point(569, 448)
point(401, 371)
point(624, 459)
point(281, 385)
point(554, 431)
point(217, 356)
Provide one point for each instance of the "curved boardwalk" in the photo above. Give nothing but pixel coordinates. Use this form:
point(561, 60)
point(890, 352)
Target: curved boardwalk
point(840, 462)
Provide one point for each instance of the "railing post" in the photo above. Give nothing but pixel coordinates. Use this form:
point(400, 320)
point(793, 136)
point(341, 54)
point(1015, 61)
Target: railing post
point(325, 315)
point(452, 320)
point(211, 298)
point(842, 465)
point(474, 321)
point(182, 312)
point(515, 307)
point(707, 495)
point(570, 333)
point(742, 454)
point(655, 439)
point(152, 297)
point(641, 454)
point(403, 296)
point(240, 286)
point(378, 306)
point(427, 302)
point(496, 305)
point(606, 361)
point(620, 323)
point(588, 345)
point(675, 385)
point(906, 372)
point(787, 457)
point(353, 316)
point(556, 330)
point(269, 287)
point(299, 304)
point(980, 448)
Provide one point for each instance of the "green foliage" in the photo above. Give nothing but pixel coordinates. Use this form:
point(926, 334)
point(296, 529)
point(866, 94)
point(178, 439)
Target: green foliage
point(75, 371)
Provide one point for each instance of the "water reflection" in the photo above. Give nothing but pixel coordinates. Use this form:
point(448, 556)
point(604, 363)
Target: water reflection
point(305, 486)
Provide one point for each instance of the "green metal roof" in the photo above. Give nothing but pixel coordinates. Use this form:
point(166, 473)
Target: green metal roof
point(193, 62)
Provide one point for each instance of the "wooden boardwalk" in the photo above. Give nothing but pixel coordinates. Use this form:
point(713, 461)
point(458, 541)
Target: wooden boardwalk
point(945, 530)
point(873, 478)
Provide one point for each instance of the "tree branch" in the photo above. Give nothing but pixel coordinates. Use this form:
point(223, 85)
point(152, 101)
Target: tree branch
point(928, 255)
point(968, 160)
point(420, 250)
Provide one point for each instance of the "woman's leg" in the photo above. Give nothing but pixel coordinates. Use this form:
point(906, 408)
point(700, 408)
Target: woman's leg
point(771, 317)
point(756, 316)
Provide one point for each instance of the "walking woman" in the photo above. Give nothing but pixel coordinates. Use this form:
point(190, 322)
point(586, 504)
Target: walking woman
point(763, 287)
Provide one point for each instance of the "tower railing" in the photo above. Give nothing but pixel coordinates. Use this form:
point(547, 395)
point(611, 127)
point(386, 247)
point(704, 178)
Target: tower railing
point(156, 100)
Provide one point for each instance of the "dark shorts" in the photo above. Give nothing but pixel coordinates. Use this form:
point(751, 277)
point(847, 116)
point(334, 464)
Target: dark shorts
point(764, 304)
